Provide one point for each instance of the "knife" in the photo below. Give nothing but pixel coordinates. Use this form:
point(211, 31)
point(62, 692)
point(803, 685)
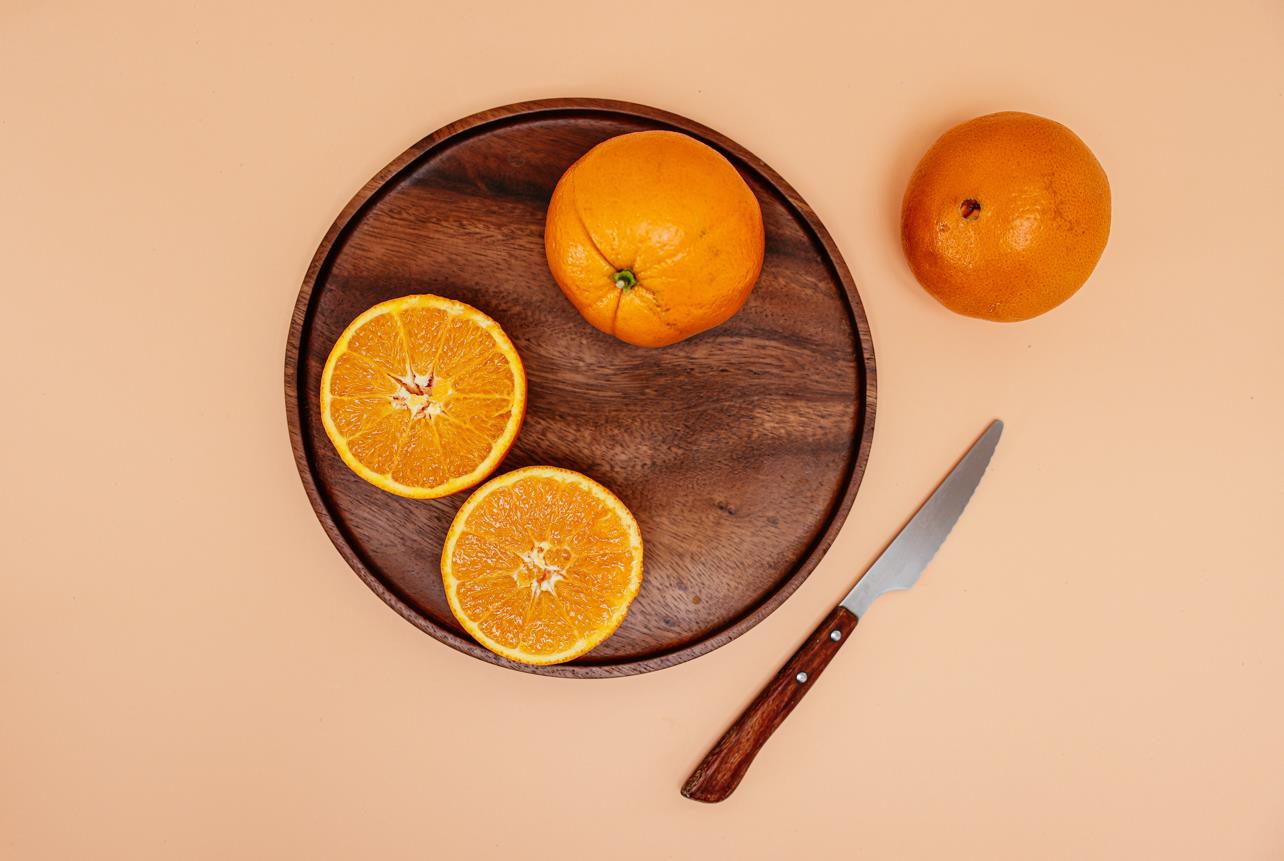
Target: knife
point(898, 567)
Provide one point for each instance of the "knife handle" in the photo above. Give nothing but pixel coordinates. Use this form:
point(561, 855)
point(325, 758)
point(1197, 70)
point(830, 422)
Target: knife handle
point(725, 765)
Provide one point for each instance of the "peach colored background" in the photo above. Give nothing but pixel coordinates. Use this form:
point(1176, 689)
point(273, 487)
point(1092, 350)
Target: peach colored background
point(1092, 668)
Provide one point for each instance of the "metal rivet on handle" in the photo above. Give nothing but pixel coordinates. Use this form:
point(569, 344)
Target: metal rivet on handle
point(800, 678)
point(835, 635)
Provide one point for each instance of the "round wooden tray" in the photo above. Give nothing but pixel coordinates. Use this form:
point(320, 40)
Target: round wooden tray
point(739, 450)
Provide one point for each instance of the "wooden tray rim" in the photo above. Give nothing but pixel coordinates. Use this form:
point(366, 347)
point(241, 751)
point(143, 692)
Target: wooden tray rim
point(303, 455)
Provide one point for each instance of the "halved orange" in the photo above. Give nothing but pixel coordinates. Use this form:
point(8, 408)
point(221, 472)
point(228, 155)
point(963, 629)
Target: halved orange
point(541, 564)
point(423, 396)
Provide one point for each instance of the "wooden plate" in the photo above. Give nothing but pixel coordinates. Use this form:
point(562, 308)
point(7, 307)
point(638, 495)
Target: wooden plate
point(739, 450)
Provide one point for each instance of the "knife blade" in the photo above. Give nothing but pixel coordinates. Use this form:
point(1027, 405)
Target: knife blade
point(897, 567)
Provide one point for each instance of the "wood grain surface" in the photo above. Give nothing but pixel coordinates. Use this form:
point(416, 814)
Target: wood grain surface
point(739, 450)
point(722, 769)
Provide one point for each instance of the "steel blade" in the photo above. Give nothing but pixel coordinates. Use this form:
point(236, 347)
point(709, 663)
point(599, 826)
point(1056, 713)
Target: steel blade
point(899, 566)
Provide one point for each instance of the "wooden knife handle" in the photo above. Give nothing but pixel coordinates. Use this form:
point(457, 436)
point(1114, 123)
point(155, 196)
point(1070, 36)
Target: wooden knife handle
point(722, 769)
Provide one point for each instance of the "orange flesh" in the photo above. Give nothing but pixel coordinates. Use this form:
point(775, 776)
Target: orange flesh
point(541, 564)
point(424, 397)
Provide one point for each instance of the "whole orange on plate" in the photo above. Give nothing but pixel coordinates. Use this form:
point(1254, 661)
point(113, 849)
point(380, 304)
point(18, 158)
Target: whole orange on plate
point(423, 396)
point(1006, 216)
point(541, 564)
point(654, 237)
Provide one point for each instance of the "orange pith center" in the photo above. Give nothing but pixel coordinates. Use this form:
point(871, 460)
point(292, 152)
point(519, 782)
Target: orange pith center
point(422, 394)
point(543, 566)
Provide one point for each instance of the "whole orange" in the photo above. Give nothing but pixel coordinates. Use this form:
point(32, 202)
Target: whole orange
point(1006, 216)
point(654, 237)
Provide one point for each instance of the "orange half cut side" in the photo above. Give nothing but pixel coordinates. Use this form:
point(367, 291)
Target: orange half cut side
point(541, 564)
point(422, 396)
